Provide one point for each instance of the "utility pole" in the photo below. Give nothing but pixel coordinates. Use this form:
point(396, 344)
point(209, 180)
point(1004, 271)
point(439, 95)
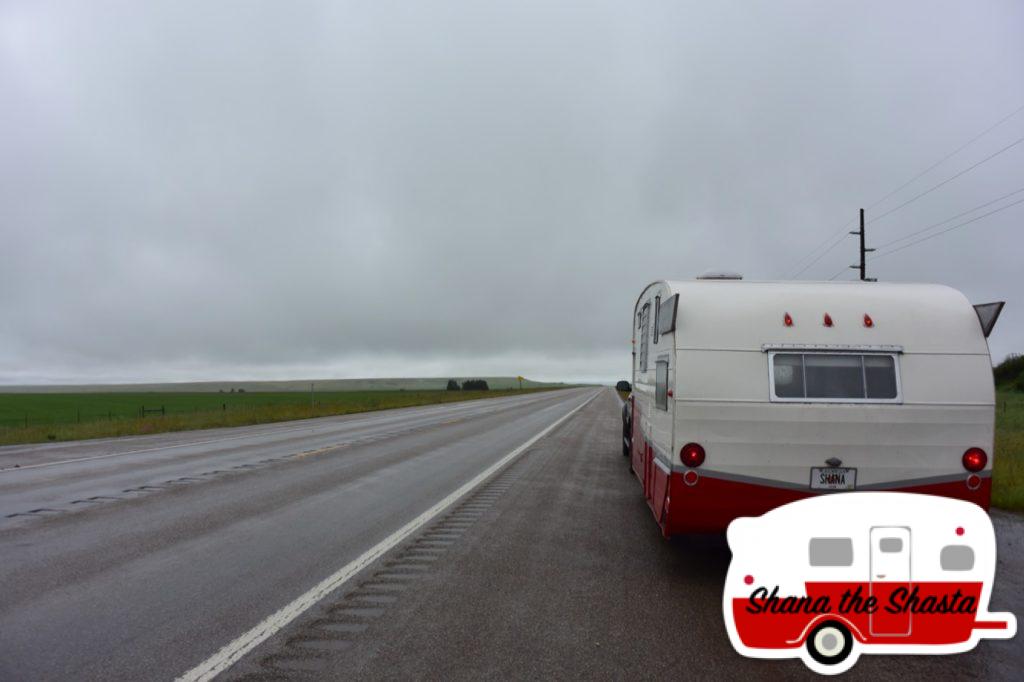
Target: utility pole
point(311, 404)
point(863, 253)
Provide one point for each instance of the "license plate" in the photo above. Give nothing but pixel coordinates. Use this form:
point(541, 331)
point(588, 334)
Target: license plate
point(833, 478)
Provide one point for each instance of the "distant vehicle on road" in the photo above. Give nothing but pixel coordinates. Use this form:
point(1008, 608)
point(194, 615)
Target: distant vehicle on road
point(749, 395)
point(828, 578)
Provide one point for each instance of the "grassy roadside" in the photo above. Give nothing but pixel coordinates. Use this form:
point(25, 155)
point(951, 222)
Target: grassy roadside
point(62, 417)
point(1008, 474)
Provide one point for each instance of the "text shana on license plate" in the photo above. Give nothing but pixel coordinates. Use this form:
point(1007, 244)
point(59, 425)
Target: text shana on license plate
point(833, 478)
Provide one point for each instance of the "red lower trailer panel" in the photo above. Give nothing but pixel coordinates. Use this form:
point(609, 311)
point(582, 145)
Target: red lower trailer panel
point(710, 504)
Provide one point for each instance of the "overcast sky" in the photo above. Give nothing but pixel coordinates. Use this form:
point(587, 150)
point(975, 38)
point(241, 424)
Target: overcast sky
point(246, 190)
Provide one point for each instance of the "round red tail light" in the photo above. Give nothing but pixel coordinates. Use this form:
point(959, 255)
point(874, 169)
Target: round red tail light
point(975, 459)
point(692, 455)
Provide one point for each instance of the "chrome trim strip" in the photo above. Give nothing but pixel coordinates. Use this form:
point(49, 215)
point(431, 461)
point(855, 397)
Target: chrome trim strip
point(834, 348)
point(773, 483)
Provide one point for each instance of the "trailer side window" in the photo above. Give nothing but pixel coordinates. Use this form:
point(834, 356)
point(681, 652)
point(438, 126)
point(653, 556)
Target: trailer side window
point(645, 314)
point(834, 376)
point(831, 552)
point(956, 558)
point(661, 385)
point(667, 314)
point(657, 315)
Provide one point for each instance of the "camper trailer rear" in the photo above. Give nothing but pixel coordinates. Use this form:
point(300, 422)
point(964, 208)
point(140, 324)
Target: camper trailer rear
point(749, 395)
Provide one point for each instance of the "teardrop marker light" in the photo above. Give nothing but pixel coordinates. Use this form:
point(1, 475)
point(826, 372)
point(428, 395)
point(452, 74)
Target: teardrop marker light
point(787, 320)
point(868, 322)
point(828, 320)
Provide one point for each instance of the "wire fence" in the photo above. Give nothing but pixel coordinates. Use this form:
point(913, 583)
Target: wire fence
point(67, 417)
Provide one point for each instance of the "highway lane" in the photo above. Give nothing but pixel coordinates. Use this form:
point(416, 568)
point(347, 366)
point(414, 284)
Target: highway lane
point(58, 478)
point(152, 582)
point(558, 571)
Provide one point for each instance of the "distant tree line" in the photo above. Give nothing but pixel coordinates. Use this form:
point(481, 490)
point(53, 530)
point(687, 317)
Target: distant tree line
point(468, 385)
point(1010, 372)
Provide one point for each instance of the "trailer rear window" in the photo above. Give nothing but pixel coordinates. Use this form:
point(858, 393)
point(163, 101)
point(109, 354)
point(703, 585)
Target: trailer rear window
point(869, 377)
point(956, 558)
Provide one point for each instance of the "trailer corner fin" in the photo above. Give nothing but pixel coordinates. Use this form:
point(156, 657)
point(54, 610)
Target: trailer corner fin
point(988, 313)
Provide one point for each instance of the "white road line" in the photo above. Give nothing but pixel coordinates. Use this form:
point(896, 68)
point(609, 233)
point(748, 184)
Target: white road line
point(274, 432)
point(137, 452)
point(231, 653)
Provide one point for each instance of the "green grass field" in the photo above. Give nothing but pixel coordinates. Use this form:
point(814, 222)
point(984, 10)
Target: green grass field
point(41, 417)
point(1008, 477)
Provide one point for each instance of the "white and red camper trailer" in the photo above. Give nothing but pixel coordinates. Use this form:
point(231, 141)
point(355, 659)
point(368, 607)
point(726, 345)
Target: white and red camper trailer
point(748, 395)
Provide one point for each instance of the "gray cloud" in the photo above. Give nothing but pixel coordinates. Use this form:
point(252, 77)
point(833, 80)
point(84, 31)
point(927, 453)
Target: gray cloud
point(203, 190)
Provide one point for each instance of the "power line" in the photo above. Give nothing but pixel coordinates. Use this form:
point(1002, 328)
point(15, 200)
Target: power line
point(823, 253)
point(948, 180)
point(945, 158)
point(815, 250)
point(950, 155)
point(950, 219)
point(948, 229)
point(841, 271)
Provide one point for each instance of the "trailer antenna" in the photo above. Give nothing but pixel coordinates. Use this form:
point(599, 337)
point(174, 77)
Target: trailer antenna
point(863, 253)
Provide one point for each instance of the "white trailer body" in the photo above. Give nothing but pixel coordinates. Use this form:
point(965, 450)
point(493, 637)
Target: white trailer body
point(749, 395)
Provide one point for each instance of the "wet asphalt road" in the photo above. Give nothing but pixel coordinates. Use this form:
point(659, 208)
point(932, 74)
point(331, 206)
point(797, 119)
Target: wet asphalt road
point(148, 583)
point(552, 569)
point(558, 571)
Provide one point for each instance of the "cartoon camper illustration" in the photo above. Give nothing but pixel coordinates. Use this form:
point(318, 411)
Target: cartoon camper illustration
point(827, 578)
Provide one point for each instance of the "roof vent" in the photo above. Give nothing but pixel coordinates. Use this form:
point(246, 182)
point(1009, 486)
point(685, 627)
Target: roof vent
point(720, 274)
